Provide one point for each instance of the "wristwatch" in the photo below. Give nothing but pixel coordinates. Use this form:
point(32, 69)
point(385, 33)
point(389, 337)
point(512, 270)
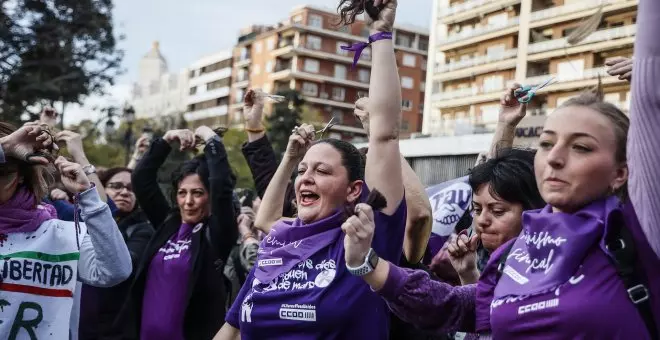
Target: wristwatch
point(89, 169)
point(370, 263)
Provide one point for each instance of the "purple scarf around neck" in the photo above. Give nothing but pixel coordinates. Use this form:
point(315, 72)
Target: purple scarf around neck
point(290, 243)
point(552, 246)
point(18, 215)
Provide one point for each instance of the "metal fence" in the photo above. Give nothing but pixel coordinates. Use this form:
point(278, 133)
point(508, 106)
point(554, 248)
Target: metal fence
point(438, 169)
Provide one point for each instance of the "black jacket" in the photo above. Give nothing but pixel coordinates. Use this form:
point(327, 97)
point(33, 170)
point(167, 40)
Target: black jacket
point(263, 163)
point(100, 306)
point(207, 287)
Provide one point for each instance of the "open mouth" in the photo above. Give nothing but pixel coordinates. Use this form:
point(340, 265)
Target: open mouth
point(308, 198)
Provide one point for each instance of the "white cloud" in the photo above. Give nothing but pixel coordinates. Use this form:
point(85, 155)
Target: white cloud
point(117, 96)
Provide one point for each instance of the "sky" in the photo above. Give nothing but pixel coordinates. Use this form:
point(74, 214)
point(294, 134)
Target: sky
point(190, 29)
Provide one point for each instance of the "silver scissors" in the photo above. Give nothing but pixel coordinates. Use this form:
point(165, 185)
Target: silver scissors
point(327, 127)
point(526, 93)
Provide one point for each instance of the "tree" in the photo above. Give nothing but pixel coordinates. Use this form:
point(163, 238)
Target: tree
point(284, 118)
point(100, 154)
point(54, 51)
point(233, 140)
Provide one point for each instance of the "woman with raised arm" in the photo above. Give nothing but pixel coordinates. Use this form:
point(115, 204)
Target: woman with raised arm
point(44, 257)
point(586, 265)
point(302, 287)
point(179, 291)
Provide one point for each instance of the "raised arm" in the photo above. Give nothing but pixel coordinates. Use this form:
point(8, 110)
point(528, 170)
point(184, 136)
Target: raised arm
point(270, 210)
point(511, 113)
point(384, 109)
point(223, 222)
point(145, 183)
point(74, 145)
point(643, 138)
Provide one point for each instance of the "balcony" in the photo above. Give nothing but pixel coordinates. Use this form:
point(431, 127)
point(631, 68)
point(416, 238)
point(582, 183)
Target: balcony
point(206, 113)
point(243, 61)
point(598, 36)
point(202, 96)
point(574, 80)
point(479, 33)
point(575, 10)
point(478, 60)
point(462, 11)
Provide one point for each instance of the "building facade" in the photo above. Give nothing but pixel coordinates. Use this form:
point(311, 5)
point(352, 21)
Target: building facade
point(209, 85)
point(158, 94)
point(304, 53)
point(479, 47)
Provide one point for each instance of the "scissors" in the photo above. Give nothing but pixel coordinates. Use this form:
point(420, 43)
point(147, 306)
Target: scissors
point(330, 124)
point(526, 93)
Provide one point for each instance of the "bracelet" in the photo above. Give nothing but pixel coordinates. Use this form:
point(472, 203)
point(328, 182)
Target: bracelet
point(255, 130)
point(360, 46)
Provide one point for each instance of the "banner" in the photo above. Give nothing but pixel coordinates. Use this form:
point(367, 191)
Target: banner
point(449, 202)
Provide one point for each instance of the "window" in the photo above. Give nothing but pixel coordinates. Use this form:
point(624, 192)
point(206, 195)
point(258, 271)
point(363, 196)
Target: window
point(270, 44)
point(239, 95)
point(403, 40)
point(312, 65)
point(423, 44)
point(338, 116)
point(362, 94)
point(364, 75)
point(490, 113)
point(406, 105)
point(572, 69)
point(407, 83)
point(269, 67)
point(316, 21)
point(404, 125)
point(298, 19)
point(310, 89)
point(493, 83)
point(217, 84)
point(340, 71)
point(341, 51)
point(409, 60)
point(257, 47)
point(193, 90)
point(314, 42)
point(256, 69)
point(338, 93)
point(496, 50)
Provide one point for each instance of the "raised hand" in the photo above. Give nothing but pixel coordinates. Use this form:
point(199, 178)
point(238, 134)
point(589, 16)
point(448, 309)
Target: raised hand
point(359, 230)
point(73, 176)
point(27, 140)
point(511, 110)
point(385, 22)
point(299, 142)
point(57, 194)
point(245, 221)
point(360, 111)
point(463, 254)
point(205, 133)
point(185, 137)
point(620, 66)
point(253, 109)
point(73, 142)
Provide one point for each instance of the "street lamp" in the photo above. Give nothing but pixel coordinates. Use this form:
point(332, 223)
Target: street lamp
point(129, 118)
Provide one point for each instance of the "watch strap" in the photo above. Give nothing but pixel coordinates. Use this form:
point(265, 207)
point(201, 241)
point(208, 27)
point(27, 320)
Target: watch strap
point(89, 169)
point(369, 264)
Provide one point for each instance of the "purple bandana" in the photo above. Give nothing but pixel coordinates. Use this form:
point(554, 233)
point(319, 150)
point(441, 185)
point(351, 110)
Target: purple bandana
point(360, 46)
point(289, 243)
point(18, 215)
point(551, 248)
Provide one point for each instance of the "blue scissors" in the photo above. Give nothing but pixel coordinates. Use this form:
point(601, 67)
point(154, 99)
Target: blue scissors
point(526, 93)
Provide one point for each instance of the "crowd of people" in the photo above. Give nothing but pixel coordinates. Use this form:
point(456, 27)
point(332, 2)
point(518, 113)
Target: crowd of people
point(557, 242)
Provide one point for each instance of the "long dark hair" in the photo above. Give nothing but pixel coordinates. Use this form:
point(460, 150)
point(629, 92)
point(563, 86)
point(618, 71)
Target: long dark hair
point(349, 9)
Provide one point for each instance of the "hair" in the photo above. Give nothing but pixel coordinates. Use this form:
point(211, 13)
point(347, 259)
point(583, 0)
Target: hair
point(35, 177)
point(594, 99)
point(351, 158)
point(349, 9)
point(106, 175)
point(196, 166)
point(510, 176)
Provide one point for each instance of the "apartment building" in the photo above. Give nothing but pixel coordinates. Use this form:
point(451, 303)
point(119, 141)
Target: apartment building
point(479, 47)
point(304, 53)
point(209, 86)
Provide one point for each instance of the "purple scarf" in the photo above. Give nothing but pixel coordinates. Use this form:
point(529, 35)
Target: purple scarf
point(18, 215)
point(552, 246)
point(289, 243)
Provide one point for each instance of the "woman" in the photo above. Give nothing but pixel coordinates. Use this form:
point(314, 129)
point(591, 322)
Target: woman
point(299, 288)
point(43, 255)
point(100, 306)
point(571, 273)
point(179, 291)
point(503, 188)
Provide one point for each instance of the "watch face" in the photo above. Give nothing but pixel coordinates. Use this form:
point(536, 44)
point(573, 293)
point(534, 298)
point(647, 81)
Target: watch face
point(373, 259)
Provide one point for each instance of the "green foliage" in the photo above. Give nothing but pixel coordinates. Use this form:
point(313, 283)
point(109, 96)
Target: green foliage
point(54, 51)
point(102, 154)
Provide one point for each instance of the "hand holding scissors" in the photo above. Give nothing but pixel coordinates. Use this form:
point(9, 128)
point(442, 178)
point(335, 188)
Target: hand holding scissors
point(526, 93)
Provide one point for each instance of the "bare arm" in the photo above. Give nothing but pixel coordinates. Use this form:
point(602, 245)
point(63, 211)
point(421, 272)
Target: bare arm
point(419, 218)
point(384, 109)
point(511, 113)
point(228, 332)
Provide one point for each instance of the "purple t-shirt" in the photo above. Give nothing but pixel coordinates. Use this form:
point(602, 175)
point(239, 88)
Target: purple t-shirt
point(319, 298)
point(593, 304)
point(163, 305)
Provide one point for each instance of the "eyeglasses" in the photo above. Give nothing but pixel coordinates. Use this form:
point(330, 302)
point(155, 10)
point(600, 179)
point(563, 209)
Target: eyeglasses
point(118, 186)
